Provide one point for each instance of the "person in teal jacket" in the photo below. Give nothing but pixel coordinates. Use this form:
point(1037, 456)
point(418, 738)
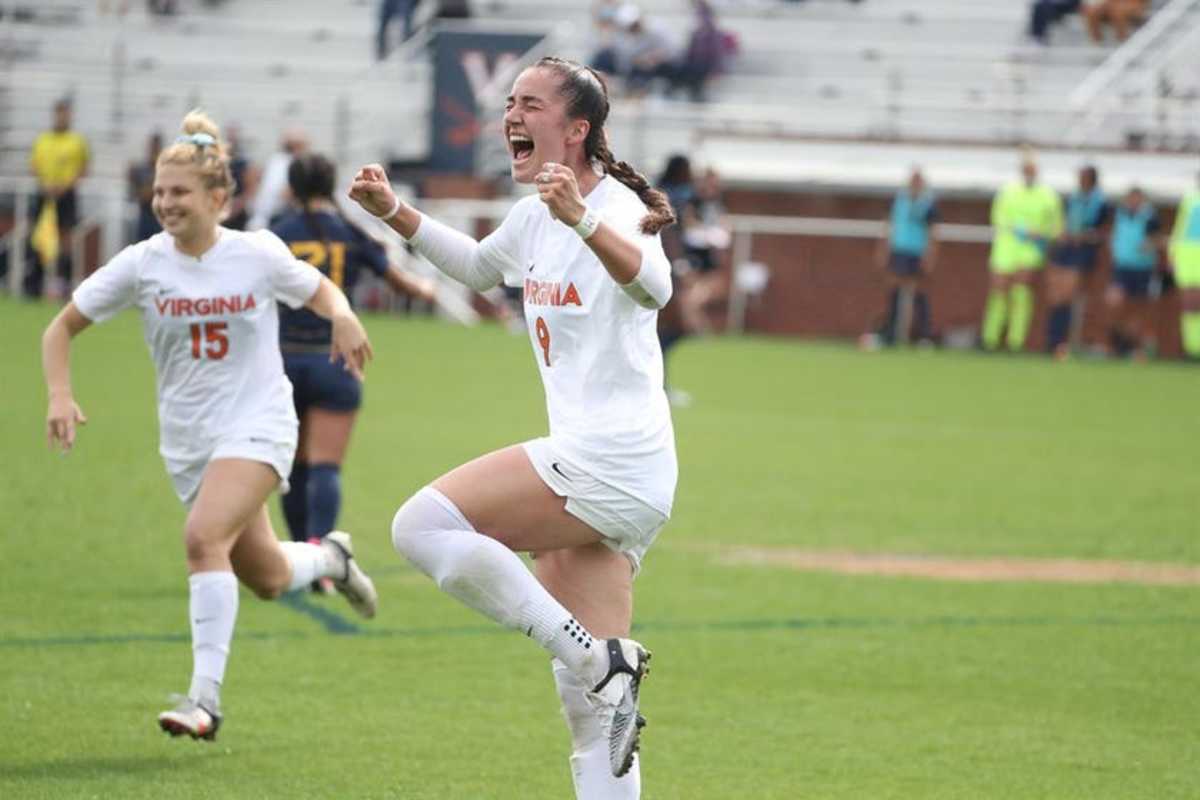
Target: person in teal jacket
point(908, 252)
point(1185, 263)
point(1134, 246)
point(1074, 258)
point(1026, 217)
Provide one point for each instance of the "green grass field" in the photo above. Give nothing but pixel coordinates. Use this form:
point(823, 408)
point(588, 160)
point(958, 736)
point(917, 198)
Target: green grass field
point(768, 682)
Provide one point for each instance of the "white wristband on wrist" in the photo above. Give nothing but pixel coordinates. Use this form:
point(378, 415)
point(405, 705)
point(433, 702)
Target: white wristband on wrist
point(391, 213)
point(587, 224)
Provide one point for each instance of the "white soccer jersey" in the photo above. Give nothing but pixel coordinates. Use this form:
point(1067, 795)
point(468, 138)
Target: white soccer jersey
point(212, 326)
point(597, 350)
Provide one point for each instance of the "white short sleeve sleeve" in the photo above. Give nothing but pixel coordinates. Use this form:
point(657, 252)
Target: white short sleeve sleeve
point(112, 288)
point(292, 281)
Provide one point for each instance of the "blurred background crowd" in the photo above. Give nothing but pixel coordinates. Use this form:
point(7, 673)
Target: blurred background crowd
point(1007, 176)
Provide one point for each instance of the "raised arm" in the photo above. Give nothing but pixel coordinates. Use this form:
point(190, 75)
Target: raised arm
point(454, 253)
point(63, 412)
point(648, 283)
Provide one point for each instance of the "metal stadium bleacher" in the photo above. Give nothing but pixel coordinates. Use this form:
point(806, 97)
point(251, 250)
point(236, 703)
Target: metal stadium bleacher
point(823, 91)
point(940, 70)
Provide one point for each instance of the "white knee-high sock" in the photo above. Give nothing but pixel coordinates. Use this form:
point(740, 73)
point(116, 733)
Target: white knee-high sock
point(590, 767)
point(213, 605)
point(309, 562)
point(432, 533)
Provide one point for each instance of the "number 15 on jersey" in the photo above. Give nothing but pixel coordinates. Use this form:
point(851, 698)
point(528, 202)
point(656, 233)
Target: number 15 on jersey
point(213, 336)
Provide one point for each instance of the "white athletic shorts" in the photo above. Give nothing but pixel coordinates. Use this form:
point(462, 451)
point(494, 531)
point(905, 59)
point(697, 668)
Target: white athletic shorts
point(628, 525)
point(187, 475)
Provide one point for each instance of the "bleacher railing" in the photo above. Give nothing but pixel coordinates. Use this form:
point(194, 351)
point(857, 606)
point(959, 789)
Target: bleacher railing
point(1140, 69)
point(466, 214)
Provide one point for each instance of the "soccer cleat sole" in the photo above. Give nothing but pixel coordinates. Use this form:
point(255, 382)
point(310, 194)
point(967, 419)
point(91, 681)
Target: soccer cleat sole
point(175, 729)
point(631, 738)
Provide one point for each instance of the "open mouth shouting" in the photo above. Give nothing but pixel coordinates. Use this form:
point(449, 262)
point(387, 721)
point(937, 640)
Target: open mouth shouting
point(521, 147)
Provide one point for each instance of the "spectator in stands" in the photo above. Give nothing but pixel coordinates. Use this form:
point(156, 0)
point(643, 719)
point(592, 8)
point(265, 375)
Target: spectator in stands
point(245, 182)
point(1135, 259)
point(1026, 217)
point(705, 54)
point(140, 180)
point(642, 51)
point(272, 196)
point(388, 11)
point(59, 159)
point(1122, 15)
point(1074, 258)
point(908, 253)
point(1185, 264)
point(163, 8)
point(1044, 13)
point(604, 15)
point(453, 9)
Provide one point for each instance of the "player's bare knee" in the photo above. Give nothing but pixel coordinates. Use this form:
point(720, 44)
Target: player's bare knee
point(201, 540)
point(266, 590)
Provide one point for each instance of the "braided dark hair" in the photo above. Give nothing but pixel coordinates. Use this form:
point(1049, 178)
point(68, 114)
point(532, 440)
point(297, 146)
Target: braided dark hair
point(587, 98)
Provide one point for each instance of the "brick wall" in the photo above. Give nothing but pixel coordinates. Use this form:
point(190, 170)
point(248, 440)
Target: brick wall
point(827, 286)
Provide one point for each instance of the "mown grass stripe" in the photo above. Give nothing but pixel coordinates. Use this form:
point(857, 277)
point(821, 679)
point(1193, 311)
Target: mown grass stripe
point(344, 628)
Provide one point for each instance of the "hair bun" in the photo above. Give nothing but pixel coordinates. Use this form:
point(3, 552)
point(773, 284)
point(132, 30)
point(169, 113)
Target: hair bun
point(197, 121)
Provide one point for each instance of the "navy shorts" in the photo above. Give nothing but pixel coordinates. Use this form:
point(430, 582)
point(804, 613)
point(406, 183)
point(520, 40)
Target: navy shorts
point(1077, 257)
point(318, 384)
point(905, 265)
point(1133, 282)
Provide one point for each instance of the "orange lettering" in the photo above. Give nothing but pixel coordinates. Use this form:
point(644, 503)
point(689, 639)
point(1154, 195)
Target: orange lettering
point(571, 296)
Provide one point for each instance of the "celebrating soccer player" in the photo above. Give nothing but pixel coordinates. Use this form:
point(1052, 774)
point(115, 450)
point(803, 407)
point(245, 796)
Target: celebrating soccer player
point(588, 500)
point(208, 298)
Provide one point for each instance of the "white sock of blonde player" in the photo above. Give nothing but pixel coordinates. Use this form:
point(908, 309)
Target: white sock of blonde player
point(590, 767)
point(432, 533)
point(309, 562)
point(212, 606)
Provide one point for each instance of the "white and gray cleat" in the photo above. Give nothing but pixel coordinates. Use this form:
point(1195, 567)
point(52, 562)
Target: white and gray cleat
point(192, 718)
point(615, 699)
point(354, 584)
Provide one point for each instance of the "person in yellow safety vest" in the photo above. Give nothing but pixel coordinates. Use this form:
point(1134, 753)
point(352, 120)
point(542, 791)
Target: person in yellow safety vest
point(1185, 261)
point(58, 159)
point(1026, 217)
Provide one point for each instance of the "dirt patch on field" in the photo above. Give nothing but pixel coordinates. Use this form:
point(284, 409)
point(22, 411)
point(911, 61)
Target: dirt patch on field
point(964, 569)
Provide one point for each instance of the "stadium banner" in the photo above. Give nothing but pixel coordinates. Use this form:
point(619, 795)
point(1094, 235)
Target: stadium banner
point(467, 65)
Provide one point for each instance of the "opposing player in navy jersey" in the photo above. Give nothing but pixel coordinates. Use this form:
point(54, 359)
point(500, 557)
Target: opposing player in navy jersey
point(327, 396)
point(209, 297)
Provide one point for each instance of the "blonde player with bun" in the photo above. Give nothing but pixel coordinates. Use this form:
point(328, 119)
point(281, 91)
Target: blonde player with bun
point(208, 297)
point(589, 499)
